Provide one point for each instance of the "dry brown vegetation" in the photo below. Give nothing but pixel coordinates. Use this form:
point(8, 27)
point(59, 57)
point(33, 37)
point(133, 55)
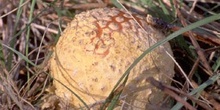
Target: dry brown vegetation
point(29, 29)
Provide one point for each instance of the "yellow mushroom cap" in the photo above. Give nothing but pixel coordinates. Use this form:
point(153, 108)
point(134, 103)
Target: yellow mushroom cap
point(95, 50)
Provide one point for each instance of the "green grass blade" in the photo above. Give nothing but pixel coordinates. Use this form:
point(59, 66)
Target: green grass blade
point(28, 27)
point(170, 37)
point(13, 40)
point(116, 3)
point(19, 54)
point(2, 58)
point(216, 65)
point(199, 89)
point(84, 103)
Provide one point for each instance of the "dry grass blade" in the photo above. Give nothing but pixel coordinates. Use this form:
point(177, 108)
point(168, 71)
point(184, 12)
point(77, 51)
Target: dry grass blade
point(9, 89)
point(171, 93)
point(195, 43)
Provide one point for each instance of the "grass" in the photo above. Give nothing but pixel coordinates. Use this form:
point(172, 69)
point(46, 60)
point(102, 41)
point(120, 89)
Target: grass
point(27, 41)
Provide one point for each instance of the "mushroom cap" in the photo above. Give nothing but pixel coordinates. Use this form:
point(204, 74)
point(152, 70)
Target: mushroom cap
point(97, 47)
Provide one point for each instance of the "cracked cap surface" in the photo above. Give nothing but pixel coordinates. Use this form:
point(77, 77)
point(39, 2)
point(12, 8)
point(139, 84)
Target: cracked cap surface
point(95, 50)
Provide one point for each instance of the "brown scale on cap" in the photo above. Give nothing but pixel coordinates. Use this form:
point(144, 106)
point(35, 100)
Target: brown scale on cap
point(105, 24)
point(95, 50)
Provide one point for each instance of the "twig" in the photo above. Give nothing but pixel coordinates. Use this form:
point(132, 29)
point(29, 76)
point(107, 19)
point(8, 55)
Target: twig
point(168, 91)
point(194, 42)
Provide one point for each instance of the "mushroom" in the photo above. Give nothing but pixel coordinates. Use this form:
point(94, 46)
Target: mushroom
point(97, 47)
